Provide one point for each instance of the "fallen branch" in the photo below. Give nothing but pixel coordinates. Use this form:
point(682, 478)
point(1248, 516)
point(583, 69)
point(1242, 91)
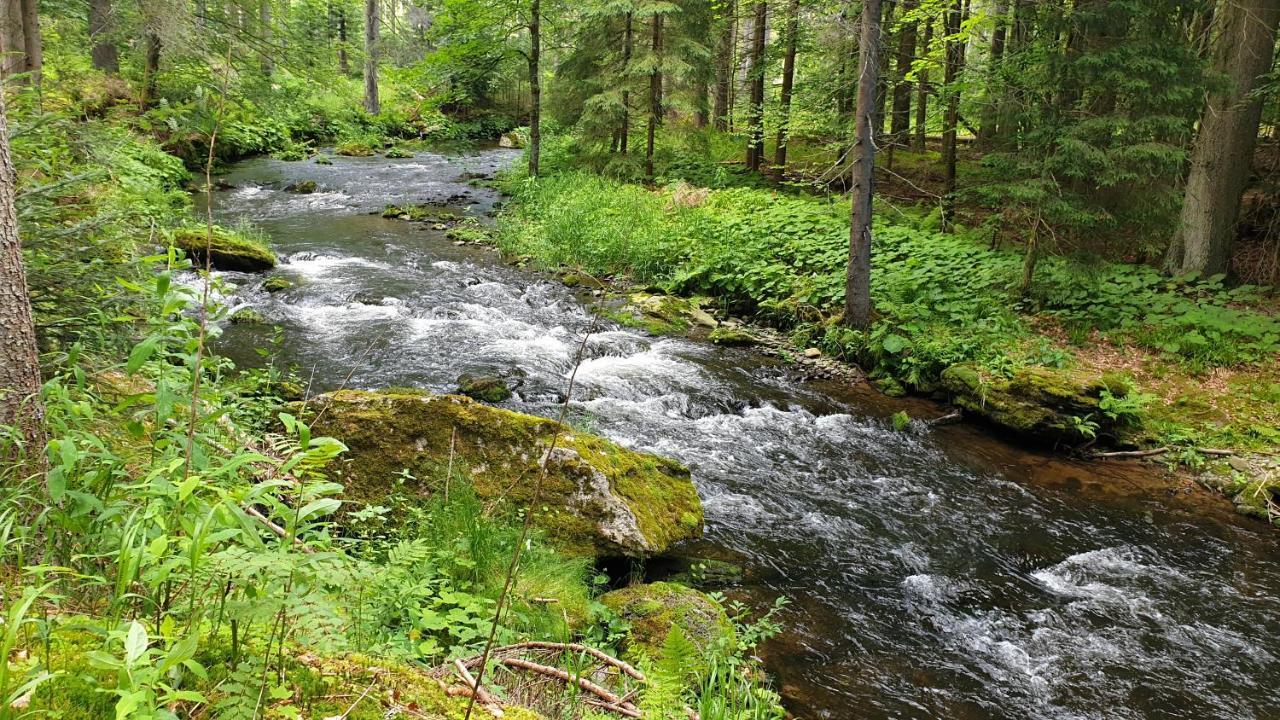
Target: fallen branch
point(1131, 453)
point(279, 531)
point(948, 419)
point(575, 647)
point(486, 699)
point(623, 707)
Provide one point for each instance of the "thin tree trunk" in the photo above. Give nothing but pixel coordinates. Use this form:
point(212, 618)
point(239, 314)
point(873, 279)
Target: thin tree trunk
point(150, 69)
point(788, 82)
point(724, 71)
point(922, 93)
point(12, 43)
point(655, 96)
point(20, 405)
point(32, 44)
point(755, 129)
point(344, 66)
point(264, 20)
point(857, 307)
point(371, 20)
point(952, 115)
point(628, 40)
point(901, 121)
point(535, 86)
point(105, 55)
point(845, 90)
point(990, 115)
point(882, 85)
point(1223, 155)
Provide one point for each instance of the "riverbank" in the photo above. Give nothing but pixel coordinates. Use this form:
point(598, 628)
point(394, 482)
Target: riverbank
point(1099, 358)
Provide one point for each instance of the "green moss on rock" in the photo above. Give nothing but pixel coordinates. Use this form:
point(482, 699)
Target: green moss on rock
point(652, 610)
point(1037, 402)
point(485, 388)
point(227, 250)
point(354, 148)
point(248, 316)
point(277, 284)
point(731, 336)
point(598, 498)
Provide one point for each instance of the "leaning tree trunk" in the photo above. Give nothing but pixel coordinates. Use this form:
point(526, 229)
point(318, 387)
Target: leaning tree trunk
point(920, 136)
point(371, 21)
point(901, 120)
point(655, 96)
point(857, 297)
point(755, 127)
point(788, 82)
point(20, 405)
point(1223, 155)
point(724, 70)
point(952, 115)
point(105, 55)
point(535, 86)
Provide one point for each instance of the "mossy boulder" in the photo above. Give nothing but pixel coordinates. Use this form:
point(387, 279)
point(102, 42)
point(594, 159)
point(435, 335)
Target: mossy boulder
point(1036, 402)
point(247, 316)
point(656, 313)
point(485, 388)
point(732, 336)
point(598, 498)
point(227, 250)
point(354, 148)
point(277, 284)
point(652, 610)
point(395, 152)
point(302, 187)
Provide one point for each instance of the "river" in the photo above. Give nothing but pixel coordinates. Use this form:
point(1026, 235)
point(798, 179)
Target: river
point(933, 574)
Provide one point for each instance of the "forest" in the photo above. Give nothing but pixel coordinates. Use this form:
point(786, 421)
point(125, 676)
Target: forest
point(671, 359)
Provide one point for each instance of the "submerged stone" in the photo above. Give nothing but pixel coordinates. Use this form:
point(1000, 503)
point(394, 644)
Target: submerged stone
point(597, 499)
point(227, 250)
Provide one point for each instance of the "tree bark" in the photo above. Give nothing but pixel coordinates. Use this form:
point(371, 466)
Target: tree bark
point(724, 71)
point(628, 39)
point(264, 20)
point(655, 96)
point(755, 126)
point(12, 44)
point(101, 26)
point(150, 69)
point(955, 57)
point(32, 44)
point(901, 121)
point(990, 115)
point(371, 21)
point(882, 84)
point(344, 66)
point(1223, 155)
point(20, 405)
point(857, 301)
point(535, 86)
point(918, 140)
point(788, 83)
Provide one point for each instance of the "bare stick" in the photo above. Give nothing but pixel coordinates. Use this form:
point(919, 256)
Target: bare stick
point(1121, 454)
point(613, 700)
point(575, 647)
point(479, 693)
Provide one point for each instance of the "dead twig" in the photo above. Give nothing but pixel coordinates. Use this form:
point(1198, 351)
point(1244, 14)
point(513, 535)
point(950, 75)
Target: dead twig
point(487, 700)
point(622, 706)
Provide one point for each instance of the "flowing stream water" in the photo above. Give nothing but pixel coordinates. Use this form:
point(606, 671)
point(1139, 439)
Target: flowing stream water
point(936, 574)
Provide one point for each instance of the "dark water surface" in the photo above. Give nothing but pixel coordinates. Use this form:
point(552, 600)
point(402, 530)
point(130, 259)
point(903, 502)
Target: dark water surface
point(933, 575)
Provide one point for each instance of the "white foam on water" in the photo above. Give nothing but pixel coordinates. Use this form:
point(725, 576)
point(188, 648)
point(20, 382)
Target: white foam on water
point(318, 266)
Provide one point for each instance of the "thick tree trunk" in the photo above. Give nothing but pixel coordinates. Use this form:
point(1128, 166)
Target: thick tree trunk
point(344, 66)
point(857, 302)
point(724, 71)
point(264, 20)
point(20, 405)
point(990, 115)
point(755, 128)
point(655, 96)
point(150, 69)
point(788, 82)
point(371, 21)
point(535, 86)
point(101, 26)
point(628, 39)
point(919, 138)
point(901, 121)
point(1223, 155)
point(955, 57)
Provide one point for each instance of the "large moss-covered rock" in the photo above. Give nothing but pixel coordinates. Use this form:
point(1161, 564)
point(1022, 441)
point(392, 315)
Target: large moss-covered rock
point(598, 498)
point(1037, 402)
point(658, 314)
point(653, 609)
point(227, 250)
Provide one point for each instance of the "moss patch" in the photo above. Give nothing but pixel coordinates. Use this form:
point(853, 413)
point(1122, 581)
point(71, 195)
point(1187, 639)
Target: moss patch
point(597, 499)
point(653, 609)
point(354, 148)
point(731, 336)
point(1036, 402)
point(485, 388)
point(227, 250)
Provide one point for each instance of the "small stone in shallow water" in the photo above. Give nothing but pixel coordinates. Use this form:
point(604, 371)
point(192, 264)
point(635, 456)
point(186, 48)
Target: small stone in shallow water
point(277, 284)
point(302, 187)
point(812, 353)
point(486, 388)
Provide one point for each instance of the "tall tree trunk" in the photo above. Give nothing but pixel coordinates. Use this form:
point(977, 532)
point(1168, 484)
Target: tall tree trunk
point(20, 405)
point(788, 82)
point(150, 69)
point(264, 20)
point(101, 27)
point(755, 128)
point(655, 96)
point(1223, 155)
point(371, 21)
point(857, 298)
point(628, 39)
point(344, 66)
point(535, 86)
point(922, 93)
point(901, 121)
point(952, 115)
point(32, 44)
point(724, 70)
point(846, 89)
point(12, 42)
point(990, 115)
point(882, 84)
